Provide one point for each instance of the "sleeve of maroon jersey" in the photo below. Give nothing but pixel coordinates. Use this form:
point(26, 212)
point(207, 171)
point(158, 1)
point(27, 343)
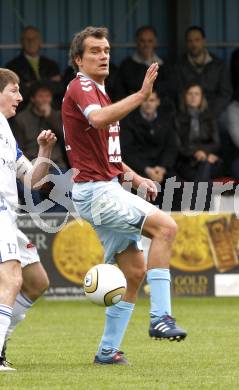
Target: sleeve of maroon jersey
point(85, 96)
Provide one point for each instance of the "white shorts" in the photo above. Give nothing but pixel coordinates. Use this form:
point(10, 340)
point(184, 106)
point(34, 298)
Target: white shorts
point(116, 215)
point(14, 244)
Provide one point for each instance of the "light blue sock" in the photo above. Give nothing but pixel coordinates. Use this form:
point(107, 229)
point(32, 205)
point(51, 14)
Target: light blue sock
point(160, 295)
point(117, 319)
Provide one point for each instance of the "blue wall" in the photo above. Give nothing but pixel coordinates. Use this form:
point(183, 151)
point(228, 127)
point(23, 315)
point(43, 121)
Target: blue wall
point(220, 19)
point(59, 19)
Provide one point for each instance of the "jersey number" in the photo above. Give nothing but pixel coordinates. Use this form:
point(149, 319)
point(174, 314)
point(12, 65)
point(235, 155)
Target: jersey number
point(12, 248)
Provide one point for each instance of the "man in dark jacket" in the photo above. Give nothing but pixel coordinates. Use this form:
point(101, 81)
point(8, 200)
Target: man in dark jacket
point(37, 116)
point(200, 66)
point(30, 66)
point(133, 68)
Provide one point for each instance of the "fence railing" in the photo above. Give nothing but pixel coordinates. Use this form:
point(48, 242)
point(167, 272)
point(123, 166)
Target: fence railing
point(128, 45)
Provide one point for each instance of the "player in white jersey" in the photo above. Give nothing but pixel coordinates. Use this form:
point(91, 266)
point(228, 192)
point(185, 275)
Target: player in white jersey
point(22, 277)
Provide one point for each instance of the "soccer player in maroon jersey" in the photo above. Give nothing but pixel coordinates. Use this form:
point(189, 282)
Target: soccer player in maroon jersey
point(92, 142)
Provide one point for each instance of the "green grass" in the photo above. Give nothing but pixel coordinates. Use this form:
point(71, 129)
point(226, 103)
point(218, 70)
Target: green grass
point(54, 347)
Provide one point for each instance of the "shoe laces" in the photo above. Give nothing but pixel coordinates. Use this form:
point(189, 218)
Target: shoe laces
point(168, 319)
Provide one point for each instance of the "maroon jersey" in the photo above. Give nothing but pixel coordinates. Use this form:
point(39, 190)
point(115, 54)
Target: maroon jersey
point(94, 152)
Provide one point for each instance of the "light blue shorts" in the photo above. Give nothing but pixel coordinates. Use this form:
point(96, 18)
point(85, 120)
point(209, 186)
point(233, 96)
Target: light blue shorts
point(116, 214)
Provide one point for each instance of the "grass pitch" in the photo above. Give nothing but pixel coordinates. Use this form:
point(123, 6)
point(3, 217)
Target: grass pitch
point(54, 348)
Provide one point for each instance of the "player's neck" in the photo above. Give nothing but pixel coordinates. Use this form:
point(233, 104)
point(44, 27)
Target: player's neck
point(100, 81)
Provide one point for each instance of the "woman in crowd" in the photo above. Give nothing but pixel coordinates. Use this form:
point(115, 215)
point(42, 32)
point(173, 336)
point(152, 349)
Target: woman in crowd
point(199, 157)
point(198, 137)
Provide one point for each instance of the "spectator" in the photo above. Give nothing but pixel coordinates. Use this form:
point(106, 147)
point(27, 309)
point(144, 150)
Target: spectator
point(199, 146)
point(148, 141)
point(231, 142)
point(31, 121)
point(30, 66)
point(235, 73)
point(132, 69)
point(200, 66)
point(110, 81)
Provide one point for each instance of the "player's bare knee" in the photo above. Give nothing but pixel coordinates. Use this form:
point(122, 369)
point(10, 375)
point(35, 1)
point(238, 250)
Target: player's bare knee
point(43, 282)
point(46, 284)
point(161, 227)
point(136, 276)
point(168, 233)
point(36, 289)
point(42, 286)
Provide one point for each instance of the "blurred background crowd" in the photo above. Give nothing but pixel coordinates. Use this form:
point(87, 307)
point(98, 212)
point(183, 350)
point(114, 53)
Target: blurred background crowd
point(187, 128)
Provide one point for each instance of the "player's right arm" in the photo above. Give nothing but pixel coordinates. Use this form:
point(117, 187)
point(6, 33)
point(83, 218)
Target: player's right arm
point(30, 174)
point(101, 118)
point(145, 186)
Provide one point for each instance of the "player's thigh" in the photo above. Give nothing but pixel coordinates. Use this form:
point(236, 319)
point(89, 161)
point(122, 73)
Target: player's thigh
point(10, 270)
point(10, 281)
point(35, 279)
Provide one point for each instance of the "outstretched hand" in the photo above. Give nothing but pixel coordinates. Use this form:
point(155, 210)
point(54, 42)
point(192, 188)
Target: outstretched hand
point(149, 79)
point(46, 139)
point(146, 188)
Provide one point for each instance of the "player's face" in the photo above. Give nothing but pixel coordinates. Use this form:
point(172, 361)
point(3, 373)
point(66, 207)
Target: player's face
point(146, 44)
point(10, 98)
point(95, 60)
point(31, 42)
point(193, 97)
point(195, 43)
point(150, 105)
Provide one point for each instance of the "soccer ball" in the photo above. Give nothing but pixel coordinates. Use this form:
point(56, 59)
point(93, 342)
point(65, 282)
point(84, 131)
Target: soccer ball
point(105, 284)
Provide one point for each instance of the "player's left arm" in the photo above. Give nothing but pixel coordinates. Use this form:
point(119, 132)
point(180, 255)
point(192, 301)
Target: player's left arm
point(146, 186)
point(29, 173)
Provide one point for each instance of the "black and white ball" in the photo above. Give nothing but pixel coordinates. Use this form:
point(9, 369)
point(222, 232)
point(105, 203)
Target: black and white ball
point(105, 284)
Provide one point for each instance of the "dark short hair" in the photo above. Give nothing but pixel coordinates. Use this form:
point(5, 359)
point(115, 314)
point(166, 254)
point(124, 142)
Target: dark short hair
point(26, 28)
point(7, 76)
point(142, 29)
point(77, 44)
point(191, 85)
point(40, 86)
point(156, 91)
point(195, 28)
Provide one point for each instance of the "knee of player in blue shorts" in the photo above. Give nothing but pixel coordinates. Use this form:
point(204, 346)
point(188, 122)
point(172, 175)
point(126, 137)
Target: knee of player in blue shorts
point(162, 227)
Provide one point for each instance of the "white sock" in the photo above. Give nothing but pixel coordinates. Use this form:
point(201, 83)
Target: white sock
point(5, 319)
point(21, 306)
